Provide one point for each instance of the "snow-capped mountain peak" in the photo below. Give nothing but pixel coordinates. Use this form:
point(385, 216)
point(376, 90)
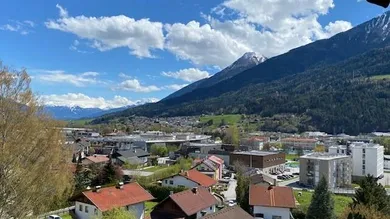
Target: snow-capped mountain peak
point(249, 59)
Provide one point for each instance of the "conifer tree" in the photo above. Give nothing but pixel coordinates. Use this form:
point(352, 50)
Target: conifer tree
point(322, 204)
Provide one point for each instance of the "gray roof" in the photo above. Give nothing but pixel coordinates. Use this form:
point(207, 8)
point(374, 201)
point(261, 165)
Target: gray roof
point(255, 153)
point(131, 160)
point(133, 153)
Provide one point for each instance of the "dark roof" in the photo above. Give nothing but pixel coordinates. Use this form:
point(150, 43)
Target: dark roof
point(271, 196)
point(131, 160)
point(133, 153)
point(383, 3)
point(191, 202)
point(234, 212)
point(111, 197)
point(261, 178)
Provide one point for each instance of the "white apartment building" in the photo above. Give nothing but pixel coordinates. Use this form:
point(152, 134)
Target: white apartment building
point(367, 158)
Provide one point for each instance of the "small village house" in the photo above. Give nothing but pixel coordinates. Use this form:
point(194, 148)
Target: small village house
point(189, 179)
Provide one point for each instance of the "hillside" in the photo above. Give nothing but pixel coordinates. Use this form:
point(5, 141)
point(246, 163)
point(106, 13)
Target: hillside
point(247, 61)
point(338, 98)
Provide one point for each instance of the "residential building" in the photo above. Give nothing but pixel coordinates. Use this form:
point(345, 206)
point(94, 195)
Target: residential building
point(263, 179)
point(367, 158)
point(95, 159)
point(134, 156)
point(386, 162)
point(271, 202)
point(189, 179)
point(254, 142)
point(267, 162)
point(300, 143)
point(336, 168)
point(132, 197)
point(211, 166)
point(234, 212)
point(189, 204)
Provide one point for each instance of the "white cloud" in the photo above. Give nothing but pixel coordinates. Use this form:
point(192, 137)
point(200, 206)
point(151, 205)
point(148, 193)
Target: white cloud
point(106, 33)
point(267, 27)
point(189, 74)
point(84, 101)
point(75, 47)
point(22, 27)
point(175, 87)
point(135, 85)
point(60, 76)
point(123, 75)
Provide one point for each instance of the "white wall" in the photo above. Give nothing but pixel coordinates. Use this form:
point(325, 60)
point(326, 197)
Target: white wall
point(138, 210)
point(179, 181)
point(209, 210)
point(271, 211)
point(373, 161)
point(386, 164)
point(91, 211)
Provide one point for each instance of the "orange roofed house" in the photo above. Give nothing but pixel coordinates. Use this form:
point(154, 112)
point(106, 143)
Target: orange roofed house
point(189, 179)
point(190, 204)
point(211, 166)
point(92, 204)
point(271, 202)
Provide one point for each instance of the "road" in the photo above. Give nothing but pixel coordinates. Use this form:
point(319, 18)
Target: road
point(230, 193)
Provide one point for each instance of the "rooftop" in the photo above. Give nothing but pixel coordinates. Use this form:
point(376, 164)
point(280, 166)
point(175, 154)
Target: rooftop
point(111, 197)
point(229, 213)
point(255, 153)
point(199, 178)
point(194, 200)
point(365, 145)
point(271, 196)
point(307, 140)
point(98, 158)
point(324, 156)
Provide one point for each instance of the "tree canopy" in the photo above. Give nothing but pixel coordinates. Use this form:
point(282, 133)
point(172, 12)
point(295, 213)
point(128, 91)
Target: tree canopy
point(322, 204)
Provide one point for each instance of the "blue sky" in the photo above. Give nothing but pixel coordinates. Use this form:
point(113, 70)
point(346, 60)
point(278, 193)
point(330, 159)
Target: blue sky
point(112, 53)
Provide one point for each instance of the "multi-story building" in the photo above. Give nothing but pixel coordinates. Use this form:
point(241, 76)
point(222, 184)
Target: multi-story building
point(367, 158)
point(268, 162)
point(336, 169)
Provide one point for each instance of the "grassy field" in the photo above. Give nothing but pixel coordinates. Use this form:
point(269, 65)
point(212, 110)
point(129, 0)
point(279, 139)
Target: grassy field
point(149, 207)
point(79, 123)
point(340, 202)
point(155, 168)
point(230, 119)
point(380, 77)
point(291, 156)
point(66, 216)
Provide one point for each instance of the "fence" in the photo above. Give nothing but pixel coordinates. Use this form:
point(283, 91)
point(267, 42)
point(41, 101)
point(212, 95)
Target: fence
point(57, 212)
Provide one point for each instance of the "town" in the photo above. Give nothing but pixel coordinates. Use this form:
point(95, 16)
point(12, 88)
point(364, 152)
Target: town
point(163, 175)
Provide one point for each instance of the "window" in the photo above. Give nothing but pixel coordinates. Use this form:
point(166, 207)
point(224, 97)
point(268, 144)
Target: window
point(364, 161)
point(364, 150)
point(276, 217)
point(259, 215)
point(364, 155)
point(171, 182)
point(166, 181)
point(211, 208)
point(342, 151)
point(338, 151)
point(364, 167)
point(80, 207)
point(364, 172)
point(86, 209)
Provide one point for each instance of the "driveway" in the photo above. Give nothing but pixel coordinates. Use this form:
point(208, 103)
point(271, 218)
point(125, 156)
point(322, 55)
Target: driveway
point(136, 173)
point(230, 193)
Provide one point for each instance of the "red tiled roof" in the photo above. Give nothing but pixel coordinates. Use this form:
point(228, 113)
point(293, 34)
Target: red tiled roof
point(192, 202)
point(98, 158)
point(271, 196)
point(234, 212)
point(258, 138)
point(112, 197)
point(198, 177)
point(216, 159)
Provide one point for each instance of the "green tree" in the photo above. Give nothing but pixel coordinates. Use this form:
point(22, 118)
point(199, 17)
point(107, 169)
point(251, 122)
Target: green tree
point(118, 213)
point(159, 150)
point(322, 204)
point(108, 175)
point(242, 189)
point(232, 136)
point(372, 194)
point(300, 152)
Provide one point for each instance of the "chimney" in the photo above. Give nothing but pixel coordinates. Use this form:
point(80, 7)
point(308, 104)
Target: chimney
point(170, 192)
point(195, 190)
point(97, 188)
point(270, 187)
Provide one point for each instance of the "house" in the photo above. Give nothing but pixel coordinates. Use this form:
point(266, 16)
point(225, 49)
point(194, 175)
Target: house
point(254, 142)
point(386, 162)
point(92, 204)
point(211, 166)
point(265, 161)
point(189, 179)
point(189, 204)
point(271, 202)
point(95, 159)
point(262, 179)
point(134, 156)
point(234, 212)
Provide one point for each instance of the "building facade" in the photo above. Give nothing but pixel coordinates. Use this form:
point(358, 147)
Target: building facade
point(367, 158)
point(268, 162)
point(336, 168)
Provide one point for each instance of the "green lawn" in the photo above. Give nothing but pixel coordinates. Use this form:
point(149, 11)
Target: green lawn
point(340, 201)
point(380, 77)
point(230, 119)
point(291, 156)
point(79, 123)
point(149, 207)
point(66, 216)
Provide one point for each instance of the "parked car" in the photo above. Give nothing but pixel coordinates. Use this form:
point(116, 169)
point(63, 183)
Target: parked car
point(54, 217)
point(232, 203)
point(297, 174)
point(279, 177)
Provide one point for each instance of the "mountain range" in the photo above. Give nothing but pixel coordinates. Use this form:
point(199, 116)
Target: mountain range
point(337, 85)
point(76, 112)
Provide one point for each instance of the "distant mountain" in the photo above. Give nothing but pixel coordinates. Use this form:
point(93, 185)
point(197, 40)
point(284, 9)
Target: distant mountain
point(337, 85)
point(247, 61)
point(71, 113)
